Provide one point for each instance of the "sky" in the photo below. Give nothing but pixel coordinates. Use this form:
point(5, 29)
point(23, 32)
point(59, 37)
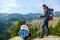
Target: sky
point(27, 6)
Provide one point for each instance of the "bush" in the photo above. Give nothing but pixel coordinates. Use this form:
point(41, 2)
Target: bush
point(50, 29)
point(15, 29)
point(34, 35)
point(4, 35)
point(56, 30)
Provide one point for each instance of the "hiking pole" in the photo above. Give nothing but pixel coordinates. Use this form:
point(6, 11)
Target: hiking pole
point(38, 24)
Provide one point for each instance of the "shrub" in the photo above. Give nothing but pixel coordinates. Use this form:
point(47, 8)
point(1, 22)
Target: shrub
point(15, 29)
point(34, 35)
point(56, 30)
point(50, 29)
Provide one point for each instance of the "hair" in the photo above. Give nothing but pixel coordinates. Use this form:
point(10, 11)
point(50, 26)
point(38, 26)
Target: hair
point(47, 7)
point(24, 22)
point(44, 5)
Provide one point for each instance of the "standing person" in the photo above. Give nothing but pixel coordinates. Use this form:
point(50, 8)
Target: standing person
point(46, 20)
point(24, 31)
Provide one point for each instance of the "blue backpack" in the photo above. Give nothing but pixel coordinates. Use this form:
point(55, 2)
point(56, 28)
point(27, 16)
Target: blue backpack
point(51, 11)
point(51, 14)
point(23, 33)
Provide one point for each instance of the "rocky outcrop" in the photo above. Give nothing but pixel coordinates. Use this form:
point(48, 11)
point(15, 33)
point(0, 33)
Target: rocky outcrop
point(45, 38)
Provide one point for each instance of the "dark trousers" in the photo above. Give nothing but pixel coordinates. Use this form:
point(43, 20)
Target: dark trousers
point(26, 38)
point(45, 24)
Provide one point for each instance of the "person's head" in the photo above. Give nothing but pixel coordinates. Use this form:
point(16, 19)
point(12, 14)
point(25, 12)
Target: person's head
point(24, 22)
point(44, 6)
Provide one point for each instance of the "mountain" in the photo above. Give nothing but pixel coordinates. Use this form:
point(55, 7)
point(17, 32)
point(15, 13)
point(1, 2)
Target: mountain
point(30, 16)
point(3, 17)
point(17, 16)
point(57, 14)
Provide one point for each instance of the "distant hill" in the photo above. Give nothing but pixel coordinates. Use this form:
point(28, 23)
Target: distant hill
point(17, 16)
point(57, 14)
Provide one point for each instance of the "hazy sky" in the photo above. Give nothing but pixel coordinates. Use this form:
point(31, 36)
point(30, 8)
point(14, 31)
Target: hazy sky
point(27, 6)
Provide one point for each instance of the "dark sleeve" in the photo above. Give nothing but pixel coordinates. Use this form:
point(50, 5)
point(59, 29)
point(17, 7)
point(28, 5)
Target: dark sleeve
point(45, 14)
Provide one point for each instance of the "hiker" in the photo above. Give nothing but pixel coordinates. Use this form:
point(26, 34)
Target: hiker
point(24, 31)
point(47, 17)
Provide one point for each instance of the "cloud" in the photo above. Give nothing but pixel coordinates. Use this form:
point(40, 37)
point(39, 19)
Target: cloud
point(12, 3)
point(55, 4)
point(7, 5)
point(56, 7)
point(5, 10)
point(27, 6)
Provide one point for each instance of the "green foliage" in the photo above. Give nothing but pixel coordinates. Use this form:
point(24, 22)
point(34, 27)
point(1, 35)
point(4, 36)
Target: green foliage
point(34, 35)
point(5, 30)
point(15, 29)
point(6, 24)
point(4, 35)
point(50, 29)
point(56, 30)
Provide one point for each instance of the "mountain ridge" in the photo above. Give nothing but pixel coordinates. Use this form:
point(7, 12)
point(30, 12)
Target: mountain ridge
point(17, 16)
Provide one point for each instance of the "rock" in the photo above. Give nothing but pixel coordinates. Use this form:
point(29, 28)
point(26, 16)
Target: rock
point(16, 38)
point(45, 38)
point(48, 38)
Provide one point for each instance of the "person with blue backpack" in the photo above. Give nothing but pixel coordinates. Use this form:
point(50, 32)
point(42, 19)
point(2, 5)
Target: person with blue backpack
point(24, 31)
point(48, 15)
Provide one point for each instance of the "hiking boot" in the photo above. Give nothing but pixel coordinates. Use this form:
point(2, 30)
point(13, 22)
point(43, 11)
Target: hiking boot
point(47, 35)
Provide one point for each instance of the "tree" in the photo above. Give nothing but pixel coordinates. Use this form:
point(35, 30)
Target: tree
point(15, 29)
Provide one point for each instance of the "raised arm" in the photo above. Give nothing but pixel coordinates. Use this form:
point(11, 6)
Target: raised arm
point(46, 14)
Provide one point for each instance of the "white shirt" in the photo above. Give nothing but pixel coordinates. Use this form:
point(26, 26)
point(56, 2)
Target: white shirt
point(25, 27)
